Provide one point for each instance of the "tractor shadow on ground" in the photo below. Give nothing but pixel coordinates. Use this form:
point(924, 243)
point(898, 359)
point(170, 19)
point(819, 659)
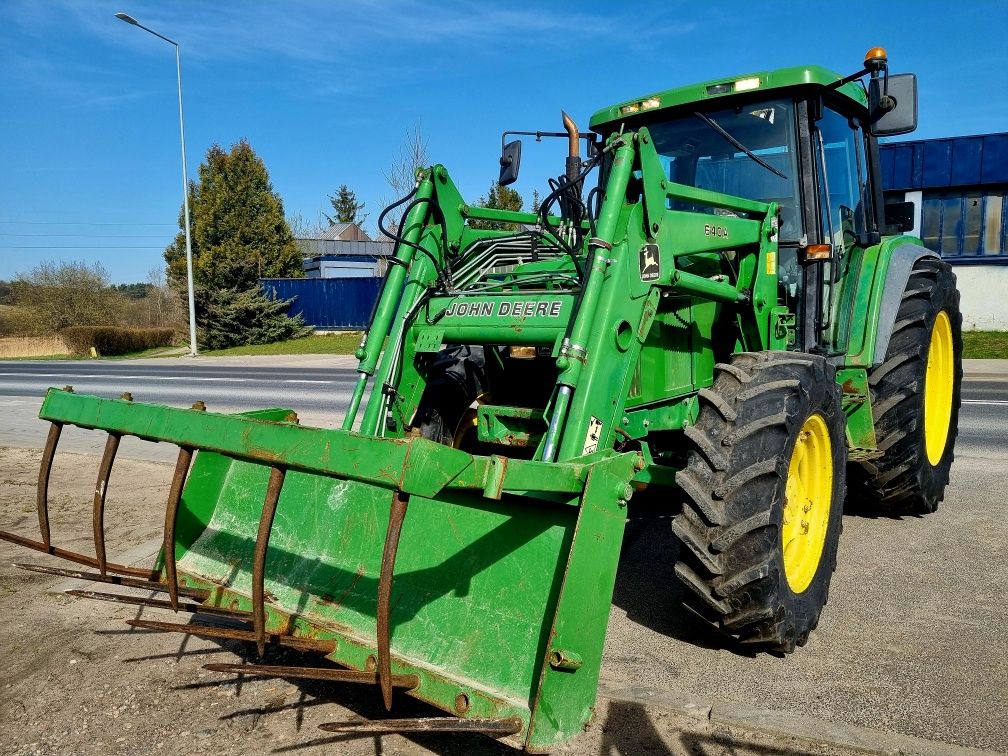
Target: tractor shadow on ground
point(647, 588)
point(630, 728)
point(350, 702)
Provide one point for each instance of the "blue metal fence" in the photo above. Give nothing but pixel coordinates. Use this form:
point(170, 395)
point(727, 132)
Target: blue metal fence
point(337, 303)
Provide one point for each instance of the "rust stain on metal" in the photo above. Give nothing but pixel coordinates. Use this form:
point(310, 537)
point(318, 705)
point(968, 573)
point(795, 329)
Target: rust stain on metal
point(397, 514)
point(273, 488)
point(171, 517)
point(48, 453)
point(73, 556)
point(227, 633)
point(101, 487)
point(338, 602)
point(314, 673)
point(486, 725)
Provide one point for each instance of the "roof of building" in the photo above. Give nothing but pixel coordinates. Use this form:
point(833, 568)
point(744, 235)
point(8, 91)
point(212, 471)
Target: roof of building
point(975, 160)
point(344, 231)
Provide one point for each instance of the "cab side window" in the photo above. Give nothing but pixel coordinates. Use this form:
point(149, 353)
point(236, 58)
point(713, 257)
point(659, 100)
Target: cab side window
point(845, 197)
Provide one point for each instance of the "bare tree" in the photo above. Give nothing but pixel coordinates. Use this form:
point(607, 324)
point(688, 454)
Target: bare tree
point(401, 175)
point(302, 228)
point(65, 294)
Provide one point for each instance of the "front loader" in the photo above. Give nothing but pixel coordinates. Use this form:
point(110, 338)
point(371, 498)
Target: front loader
point(713, 303)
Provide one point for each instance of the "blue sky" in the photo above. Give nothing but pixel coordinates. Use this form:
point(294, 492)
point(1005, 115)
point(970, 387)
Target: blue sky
point(325, 91)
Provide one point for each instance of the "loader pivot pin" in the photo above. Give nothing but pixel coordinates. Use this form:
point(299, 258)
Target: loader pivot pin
point(396, 516)
point(276, 480)
point(171, 517)
point(48, 453)
point(101, 487)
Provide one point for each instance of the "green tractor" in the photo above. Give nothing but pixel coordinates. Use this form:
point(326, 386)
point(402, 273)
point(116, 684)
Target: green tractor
point(714, 304)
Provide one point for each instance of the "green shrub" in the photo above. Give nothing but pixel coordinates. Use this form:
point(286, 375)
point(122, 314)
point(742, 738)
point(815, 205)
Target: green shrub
point(112, 340)
point(232, 317)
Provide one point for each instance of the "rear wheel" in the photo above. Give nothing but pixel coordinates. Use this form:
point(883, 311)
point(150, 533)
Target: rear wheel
point(764, 490)
point(915, 397)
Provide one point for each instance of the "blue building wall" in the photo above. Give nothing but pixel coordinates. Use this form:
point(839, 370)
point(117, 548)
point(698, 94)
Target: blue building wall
point(944, 163)
point(959, 187)
point(336, 303)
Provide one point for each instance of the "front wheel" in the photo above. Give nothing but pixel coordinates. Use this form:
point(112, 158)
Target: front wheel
point(764, 488)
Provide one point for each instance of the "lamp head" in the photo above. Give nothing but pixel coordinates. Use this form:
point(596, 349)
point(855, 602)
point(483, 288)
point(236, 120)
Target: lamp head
point(127, 18)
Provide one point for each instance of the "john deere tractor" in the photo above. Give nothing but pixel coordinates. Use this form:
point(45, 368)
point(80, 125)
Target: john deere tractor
point(713, 302)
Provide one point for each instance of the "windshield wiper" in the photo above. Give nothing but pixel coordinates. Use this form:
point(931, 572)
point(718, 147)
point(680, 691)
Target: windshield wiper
point(737, 144)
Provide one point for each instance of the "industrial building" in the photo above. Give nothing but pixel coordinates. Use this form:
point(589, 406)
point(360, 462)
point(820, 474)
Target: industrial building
point(958, 186)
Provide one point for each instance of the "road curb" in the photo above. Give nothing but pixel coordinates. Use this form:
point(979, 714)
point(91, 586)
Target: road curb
point(848, 737)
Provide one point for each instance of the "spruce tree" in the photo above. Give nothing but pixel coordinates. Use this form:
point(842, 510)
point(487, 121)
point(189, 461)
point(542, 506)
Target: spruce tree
point(500, 198)
point(346, 208)
point(239, 235)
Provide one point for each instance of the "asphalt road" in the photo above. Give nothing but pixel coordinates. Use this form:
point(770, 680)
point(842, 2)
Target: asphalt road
point(913, 640)
point(317, 388)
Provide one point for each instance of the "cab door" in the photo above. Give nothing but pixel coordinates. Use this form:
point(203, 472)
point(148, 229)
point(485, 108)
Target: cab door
point(845, 218)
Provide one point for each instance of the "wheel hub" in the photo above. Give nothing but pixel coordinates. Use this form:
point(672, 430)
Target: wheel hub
point(807, 500)
point(938, 384)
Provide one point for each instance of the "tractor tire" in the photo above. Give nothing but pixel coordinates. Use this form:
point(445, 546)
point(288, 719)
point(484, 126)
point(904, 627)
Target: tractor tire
point(763, 487)
point(915, 396)
point(456, 379)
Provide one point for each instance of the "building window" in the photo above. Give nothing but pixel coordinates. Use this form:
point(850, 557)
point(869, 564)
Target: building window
point(965, 224)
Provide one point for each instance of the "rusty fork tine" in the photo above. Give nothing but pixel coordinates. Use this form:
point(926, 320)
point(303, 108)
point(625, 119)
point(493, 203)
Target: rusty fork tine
point(130, 582)
point(396, 516)
point(73, 556)
point(276, 480)
point(101, 487)
point(312, 673)
point(171, 517)
point(486, 725)
point(192, 608)
point(227, 633)
point(43, 479)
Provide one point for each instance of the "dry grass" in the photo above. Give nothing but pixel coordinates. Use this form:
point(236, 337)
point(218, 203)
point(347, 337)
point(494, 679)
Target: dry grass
point(32, 346)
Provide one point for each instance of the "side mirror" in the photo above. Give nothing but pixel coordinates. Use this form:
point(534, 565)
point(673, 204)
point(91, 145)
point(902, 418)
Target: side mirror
point(893, 112)
point(509, 163)
point(899, 217)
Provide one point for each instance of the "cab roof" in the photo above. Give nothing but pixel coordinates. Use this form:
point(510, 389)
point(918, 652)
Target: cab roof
point(727, 88)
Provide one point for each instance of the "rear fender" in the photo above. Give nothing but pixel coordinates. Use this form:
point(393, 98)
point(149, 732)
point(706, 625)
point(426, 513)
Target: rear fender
point(883, 278)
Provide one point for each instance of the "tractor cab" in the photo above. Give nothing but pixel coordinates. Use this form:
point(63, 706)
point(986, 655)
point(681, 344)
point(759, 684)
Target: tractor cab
point(804, 138)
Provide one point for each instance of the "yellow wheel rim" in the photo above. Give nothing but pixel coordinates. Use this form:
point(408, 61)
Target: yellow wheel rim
point(938, 382)
point(808, 495)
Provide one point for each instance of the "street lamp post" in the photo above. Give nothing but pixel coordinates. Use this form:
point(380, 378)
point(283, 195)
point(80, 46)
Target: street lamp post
point(185, 180)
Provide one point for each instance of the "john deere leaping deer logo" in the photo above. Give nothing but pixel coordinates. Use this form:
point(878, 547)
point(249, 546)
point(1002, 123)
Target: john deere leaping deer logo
point(649, 266)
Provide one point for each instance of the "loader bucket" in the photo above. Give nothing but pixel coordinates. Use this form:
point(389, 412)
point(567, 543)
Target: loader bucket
point(481, 585)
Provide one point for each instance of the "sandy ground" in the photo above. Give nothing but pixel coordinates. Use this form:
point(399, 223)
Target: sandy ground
point(75, 679)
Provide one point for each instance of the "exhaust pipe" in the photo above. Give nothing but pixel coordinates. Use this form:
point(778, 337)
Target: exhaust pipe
point(573, 157)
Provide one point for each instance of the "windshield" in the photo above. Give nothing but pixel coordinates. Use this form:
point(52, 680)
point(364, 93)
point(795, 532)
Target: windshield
point(696, 153)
